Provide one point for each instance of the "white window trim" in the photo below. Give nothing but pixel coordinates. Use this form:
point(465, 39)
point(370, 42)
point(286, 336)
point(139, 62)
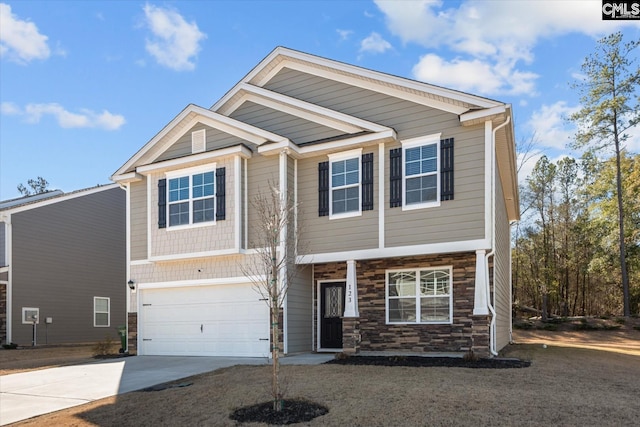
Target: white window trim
point(189, 172)
point(337, 157)
point(417, 296)
point(30, 322)
point(108, 312)
point(418, 142)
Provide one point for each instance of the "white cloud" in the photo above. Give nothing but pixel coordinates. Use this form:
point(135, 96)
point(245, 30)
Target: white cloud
point(550, 127)
point(20, 41)
point(344, 34)
point(175, 42)
point(33, 113)
point(374, 43)
point(493, 37)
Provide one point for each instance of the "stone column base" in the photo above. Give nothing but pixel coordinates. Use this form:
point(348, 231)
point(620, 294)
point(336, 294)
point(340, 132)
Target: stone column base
point(132, 333)
point(351, 335)
point(480, 336)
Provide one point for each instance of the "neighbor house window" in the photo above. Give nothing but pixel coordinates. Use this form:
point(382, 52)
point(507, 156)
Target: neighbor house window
point(191, 198)
point(101, 312)
point(419, 295)
point(421, 174)
point(345, 192)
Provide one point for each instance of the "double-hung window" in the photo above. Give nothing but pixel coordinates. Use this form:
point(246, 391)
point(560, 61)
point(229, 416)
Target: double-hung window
point(101, 312)
point(419, 295)
point(421, 172)
point(345, 191)
point(191, 197)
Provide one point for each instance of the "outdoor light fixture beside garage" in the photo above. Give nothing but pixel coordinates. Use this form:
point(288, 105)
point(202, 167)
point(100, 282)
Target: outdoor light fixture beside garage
point(132, 284)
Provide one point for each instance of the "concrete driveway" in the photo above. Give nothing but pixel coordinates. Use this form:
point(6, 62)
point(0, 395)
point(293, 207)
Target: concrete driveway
point(35, 393)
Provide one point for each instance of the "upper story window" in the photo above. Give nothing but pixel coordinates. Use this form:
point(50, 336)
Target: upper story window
point(421, 172)
point(192, 199)
point(419, 295)
point(193, 196)
point(345, 183)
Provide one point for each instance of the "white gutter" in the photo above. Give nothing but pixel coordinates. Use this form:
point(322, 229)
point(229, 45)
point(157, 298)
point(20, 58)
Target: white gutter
point(491, 305)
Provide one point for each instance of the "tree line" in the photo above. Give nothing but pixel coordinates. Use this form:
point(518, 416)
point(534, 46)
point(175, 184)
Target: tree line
point(577, 249)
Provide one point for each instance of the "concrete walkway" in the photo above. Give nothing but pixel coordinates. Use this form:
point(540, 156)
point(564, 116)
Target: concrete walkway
point(34, 393)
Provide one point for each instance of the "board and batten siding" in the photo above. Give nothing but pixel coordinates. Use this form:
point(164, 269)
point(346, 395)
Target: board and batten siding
point(63, 255)
point(138, 219)
point(319, 234)
point(502, 260)
point(299, 303)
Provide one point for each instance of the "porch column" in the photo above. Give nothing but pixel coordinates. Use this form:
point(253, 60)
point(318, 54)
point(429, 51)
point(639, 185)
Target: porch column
point(480, 301)
point(350, 320)
point(351, 297)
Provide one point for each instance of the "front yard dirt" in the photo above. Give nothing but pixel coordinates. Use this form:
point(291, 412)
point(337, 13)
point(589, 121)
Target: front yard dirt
point(565, 385)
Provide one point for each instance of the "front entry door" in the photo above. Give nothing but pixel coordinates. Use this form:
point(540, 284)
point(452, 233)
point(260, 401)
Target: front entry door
point(331, 312)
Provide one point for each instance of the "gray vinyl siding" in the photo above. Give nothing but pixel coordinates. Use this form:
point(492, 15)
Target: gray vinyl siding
point(296, 129)
point(138, 219)
point(4, 276)
point(215, 139)
point(454, 220)
point(63, 255)
point(262, 172)
point(299, 307)
point(319, 234)
point(3, 254)
point(502, 277)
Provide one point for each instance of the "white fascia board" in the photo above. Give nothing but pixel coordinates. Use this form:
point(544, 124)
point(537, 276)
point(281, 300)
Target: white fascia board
point(126, 178)
point(238, 150)
point(58, 199)
point(330, 147)
point(400, 251)
point(367, 79)
point(225, 124)
point(309, 111)
point(482, 114)
point(202, 282)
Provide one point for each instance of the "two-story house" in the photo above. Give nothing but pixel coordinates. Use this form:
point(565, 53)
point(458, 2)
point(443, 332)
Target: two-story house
point(63, 267)
point(406, 191)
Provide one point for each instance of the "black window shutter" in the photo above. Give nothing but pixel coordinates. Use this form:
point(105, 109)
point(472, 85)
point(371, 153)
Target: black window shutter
point(162, 203)
point(367, 182)
point(323, 189)
point(220, 194)
point(446, 169)
point(395, 177)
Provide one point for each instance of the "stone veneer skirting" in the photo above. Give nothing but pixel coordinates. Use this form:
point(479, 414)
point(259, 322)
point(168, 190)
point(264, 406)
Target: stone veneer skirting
point(370, 332)
point(132, 333)
point(3, 314)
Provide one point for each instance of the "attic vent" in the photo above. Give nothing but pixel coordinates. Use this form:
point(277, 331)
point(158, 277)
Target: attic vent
point(198, 141)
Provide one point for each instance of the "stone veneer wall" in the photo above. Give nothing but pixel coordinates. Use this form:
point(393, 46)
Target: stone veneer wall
point(467, 332)
point(132, 333)
point(3, 314)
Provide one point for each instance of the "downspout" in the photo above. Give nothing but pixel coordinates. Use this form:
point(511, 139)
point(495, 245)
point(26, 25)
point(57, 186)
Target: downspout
point(491, 253)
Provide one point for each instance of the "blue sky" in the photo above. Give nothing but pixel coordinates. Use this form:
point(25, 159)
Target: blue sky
point(85, 84)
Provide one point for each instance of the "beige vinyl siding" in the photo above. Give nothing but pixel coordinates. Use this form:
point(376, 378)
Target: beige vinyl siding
point(298, 130)
point(502, 272)
point(454, 220)
point(321, 234)
point(216, 236)
point(299, 306)
point(215, 139)
point(3, 255)
point(262, 172)
point(138, 219)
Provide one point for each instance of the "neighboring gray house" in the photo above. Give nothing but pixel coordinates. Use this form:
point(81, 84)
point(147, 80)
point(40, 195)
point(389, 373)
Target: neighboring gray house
point(406, 191)
point(63, 265)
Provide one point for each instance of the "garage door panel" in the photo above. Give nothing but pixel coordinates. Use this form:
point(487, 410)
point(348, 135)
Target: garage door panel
point(228, 320)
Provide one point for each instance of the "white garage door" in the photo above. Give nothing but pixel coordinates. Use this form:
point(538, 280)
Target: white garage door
point(222, 320)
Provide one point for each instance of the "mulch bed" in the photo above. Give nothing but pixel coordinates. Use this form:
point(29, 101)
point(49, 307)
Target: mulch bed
point(293, 411)
point(419, 361)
